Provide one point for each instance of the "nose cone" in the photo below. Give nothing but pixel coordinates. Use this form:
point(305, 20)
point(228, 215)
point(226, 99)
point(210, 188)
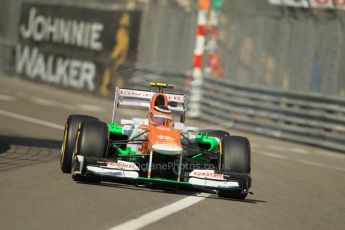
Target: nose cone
point(165, 140)
point(167, 149)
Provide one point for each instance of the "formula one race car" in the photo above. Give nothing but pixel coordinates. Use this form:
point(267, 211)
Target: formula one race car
point(157, 150)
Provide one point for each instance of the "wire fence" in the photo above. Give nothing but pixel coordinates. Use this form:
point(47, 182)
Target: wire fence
point(167, 36)
point(293, 49)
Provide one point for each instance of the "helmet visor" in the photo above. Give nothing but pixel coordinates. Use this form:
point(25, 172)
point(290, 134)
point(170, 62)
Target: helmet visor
point(160, 120)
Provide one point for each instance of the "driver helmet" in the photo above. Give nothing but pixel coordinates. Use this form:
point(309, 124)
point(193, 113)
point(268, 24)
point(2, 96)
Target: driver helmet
point(161, 115)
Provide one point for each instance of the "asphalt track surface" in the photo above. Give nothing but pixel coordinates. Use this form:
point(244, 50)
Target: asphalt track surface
point(295, 186)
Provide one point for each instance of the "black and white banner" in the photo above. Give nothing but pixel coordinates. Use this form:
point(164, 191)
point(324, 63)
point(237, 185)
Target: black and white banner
point(75, 47)
point(317, 4)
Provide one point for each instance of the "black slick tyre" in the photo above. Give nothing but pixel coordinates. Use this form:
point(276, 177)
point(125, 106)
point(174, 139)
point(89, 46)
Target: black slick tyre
point(92, 141)
point(70, 132)
point(235, 158)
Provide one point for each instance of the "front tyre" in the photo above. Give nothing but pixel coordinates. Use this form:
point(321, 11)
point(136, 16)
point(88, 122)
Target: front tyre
point(92, 141)
point(69, 137)
point(235, 158)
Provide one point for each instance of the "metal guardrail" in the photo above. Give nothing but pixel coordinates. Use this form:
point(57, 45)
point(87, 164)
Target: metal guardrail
point(300, 117)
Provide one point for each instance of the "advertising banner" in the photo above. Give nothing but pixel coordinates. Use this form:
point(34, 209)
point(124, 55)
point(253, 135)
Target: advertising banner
point(317, 4)
point(77, 48)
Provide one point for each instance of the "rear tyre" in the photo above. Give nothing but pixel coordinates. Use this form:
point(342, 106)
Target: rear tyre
point(92, 141)
point(69, 137)
point(235, 158)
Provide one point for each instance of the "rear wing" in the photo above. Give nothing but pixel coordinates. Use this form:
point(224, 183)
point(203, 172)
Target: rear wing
point(137, 99)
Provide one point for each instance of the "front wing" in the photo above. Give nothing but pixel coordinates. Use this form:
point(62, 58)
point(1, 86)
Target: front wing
point(129, 171)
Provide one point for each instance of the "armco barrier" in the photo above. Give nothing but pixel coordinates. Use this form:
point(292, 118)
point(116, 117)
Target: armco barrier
point(301, 117)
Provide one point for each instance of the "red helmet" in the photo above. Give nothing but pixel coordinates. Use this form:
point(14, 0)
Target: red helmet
point(159, 113)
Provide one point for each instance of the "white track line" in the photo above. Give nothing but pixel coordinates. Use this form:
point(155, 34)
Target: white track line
point(46, 102)
point(276, 147)
point(31, 120)
point(299, 150)
point(320, 165)
point(332, 155)
point(268, 154)
point(273, 155)
point(293, 150)
point(4, 97)
point(88, 107)
point(154, 216)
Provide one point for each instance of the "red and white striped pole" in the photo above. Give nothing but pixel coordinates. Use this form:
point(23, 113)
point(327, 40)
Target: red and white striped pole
point(196, 84)
point(214, 65)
